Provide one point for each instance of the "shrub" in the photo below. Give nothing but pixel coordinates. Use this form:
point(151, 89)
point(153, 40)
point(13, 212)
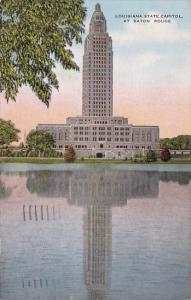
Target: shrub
point(137, 158)
point(60, 154)
point(20, 153)
point(150, 156)
point(69, 154)
point(165, 154)
point(32, 153)
point(6, 152)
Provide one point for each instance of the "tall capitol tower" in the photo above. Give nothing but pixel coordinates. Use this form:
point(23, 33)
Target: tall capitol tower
point(97, 95)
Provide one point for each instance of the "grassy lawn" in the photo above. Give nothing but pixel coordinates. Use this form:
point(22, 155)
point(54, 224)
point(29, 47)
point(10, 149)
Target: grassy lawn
point(182, 160)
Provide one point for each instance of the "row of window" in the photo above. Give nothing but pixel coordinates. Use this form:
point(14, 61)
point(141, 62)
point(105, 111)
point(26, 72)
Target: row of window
point(80, 146)
point(76, 139)
point(100, 138)
point(98, 114)
point(81, 128)
point(117, 146)
point(99, 47)
point(133, 147)
point(121, 133)
point(100, 66)
point(99, 41)
point(121, 139)
point(99, 38)
point(121, 129)
point(101, 133)
point(98, 74)
point(103, 122)
point(99, 102)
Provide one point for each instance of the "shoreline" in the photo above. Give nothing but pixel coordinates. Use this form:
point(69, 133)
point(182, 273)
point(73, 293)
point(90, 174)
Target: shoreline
point(34, 160)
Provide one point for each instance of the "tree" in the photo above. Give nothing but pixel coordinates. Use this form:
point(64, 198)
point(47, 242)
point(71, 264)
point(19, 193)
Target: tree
point(150, 156)
point(35, 34)
point(180, 142)
point(39, 141)
point(69, 154)
point(8, 133)
point(165, 154)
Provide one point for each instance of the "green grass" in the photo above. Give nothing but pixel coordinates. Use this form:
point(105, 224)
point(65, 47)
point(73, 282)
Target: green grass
point(182, 160)
point(34, 160)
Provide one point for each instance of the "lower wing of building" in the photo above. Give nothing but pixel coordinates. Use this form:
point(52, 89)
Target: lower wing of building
point(109, 137)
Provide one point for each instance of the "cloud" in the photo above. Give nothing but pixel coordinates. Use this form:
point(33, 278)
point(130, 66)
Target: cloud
point(150, 32)
point(138, 67)
point(146, 59)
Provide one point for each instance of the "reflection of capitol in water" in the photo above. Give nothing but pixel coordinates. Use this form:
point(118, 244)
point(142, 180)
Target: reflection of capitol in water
point(97, 192)
point(40, 226)
point(104, 187)
point(97, 251)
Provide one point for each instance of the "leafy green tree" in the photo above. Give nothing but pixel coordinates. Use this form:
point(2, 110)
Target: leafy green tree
point(39, 141)
point(69, 154)
point(150, 156)
point(180, 142)
point(165, 154)
point(8, 133)
point(35, 34)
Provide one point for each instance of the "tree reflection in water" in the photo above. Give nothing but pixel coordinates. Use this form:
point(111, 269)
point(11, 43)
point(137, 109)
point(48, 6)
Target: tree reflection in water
point(5, 192)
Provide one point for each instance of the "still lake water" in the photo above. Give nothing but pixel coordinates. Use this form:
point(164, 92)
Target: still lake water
point(80, 232)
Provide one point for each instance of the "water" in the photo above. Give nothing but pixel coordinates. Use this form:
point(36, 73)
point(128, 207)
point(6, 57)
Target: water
point(79, 232)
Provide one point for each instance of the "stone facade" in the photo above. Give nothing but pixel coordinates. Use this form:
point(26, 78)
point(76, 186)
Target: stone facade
point(97, 133)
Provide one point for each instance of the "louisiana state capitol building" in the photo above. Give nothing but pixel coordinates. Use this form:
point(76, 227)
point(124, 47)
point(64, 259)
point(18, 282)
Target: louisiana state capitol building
point(97, 133)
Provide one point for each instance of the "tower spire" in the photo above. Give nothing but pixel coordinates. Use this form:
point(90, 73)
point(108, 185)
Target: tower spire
point(97, 7)
point(98, 21)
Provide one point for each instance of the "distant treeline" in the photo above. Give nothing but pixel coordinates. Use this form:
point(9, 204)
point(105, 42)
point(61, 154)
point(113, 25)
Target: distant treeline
point(180, 142)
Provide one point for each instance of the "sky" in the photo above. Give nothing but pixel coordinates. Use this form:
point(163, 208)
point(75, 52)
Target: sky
point(151, 76)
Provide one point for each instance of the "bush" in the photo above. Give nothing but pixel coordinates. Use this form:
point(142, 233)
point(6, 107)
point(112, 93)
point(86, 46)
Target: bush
point(6, 152)
point(69, 154)
point(32, 153)
point(165, 154)
point(20, 153)
point(137, 158)
point(150, 156)
point(60, 154)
